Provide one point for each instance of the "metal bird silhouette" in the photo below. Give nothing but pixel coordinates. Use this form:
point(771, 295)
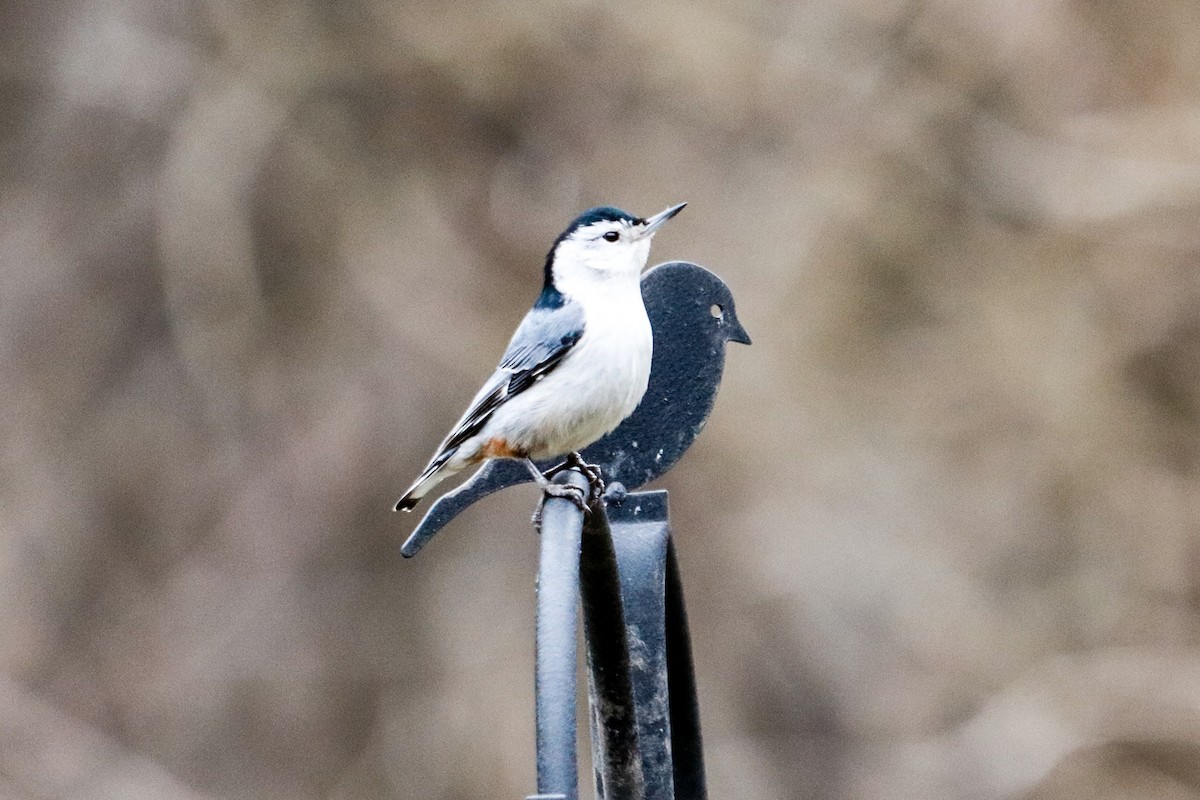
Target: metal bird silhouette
point(692, 315)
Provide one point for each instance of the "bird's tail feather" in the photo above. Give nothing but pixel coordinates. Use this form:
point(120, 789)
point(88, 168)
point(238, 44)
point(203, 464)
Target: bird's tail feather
point(431, 477)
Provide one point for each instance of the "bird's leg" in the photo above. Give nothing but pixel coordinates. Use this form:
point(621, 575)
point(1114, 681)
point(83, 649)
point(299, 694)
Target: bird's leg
point(591, 472)
point(557, 468)
point(548, 487)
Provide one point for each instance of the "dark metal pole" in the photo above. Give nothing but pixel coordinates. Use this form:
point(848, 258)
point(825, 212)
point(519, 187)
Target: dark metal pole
point(641, 534)
point(663, 681)
point(615, 755)
point(687, 748)
point(557, 593)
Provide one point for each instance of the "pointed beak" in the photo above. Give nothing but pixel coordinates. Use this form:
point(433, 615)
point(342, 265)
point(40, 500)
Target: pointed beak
point(736, 332)
point(654, 223)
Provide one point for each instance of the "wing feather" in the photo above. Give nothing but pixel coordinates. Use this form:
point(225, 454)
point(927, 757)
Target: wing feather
point(541, 342)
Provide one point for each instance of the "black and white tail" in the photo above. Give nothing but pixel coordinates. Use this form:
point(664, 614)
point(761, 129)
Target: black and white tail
point(431, 477)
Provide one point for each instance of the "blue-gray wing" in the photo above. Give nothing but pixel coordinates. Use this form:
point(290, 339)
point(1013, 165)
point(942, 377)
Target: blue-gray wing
point(541, 342)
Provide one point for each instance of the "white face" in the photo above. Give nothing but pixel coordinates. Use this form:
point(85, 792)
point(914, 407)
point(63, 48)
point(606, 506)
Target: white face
point(603, 250)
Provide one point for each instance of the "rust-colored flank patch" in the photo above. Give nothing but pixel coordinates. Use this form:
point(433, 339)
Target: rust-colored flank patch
point(499, 448)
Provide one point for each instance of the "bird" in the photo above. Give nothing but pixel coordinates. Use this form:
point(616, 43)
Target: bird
point(693, 317)
point(577, 365)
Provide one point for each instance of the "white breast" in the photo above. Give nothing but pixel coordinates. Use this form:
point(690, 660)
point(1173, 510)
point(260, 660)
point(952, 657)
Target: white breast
point(598, 384)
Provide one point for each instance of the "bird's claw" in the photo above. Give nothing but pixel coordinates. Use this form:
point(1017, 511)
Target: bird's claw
point(595, 477)
point(573, 493)
point(584, 501)
point(590, 471)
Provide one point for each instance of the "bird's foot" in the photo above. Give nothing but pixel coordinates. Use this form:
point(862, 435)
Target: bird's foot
point(591, 472)
point(573, 493)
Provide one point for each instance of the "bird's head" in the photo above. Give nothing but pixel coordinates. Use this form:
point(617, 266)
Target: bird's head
point(602, 245)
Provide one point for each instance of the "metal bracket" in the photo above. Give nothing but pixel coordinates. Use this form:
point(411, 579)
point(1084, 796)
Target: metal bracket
point(645, 722)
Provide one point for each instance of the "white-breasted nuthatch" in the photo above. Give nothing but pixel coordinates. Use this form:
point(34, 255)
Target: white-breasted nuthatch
point(578, 363)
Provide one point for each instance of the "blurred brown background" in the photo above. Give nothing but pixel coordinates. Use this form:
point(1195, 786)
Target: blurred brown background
point(939, 538)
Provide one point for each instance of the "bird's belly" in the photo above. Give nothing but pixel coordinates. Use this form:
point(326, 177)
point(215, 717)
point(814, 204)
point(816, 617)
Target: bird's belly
point(588, 395)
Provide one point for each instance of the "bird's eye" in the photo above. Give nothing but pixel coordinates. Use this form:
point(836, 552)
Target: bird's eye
point(611, 236)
